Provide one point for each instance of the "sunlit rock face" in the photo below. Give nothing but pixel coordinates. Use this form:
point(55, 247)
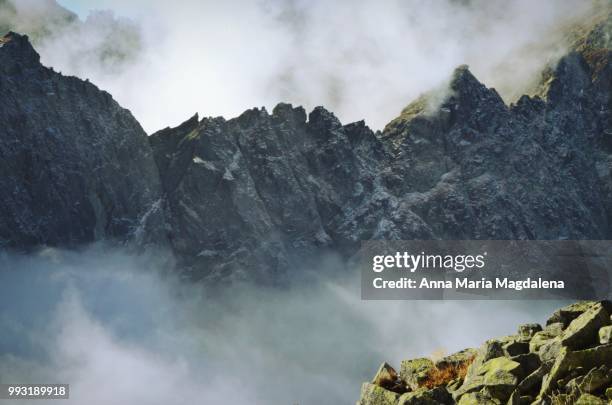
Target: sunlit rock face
point(75, 166)
point(254, 196)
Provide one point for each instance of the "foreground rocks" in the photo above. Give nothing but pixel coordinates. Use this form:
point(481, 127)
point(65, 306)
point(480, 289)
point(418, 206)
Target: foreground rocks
point(568, 361)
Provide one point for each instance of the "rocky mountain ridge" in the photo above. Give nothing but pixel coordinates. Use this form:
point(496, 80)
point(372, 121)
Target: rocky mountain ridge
point(566, 362)
point(76, 167)
point(252, 196)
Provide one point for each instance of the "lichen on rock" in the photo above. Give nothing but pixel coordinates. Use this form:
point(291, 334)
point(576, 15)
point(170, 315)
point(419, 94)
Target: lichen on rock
point(566, 363)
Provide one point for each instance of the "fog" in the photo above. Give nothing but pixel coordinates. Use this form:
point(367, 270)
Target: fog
point(361, 59)
point(121, 329)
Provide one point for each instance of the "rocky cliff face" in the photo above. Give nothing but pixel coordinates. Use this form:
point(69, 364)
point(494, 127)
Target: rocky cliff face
point(248, 197)
point(566, 362)
point(263, 190)
point(76, 167)
point(256, 190)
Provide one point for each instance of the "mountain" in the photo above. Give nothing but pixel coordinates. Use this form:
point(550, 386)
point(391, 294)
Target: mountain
point(76, 167)
point(252, 196)
point(566, 362)
point(264, 187)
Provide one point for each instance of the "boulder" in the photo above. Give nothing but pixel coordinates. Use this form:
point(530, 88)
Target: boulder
point(489, 350)
point(555, 328)
point(549, 351)
point(571, 375)
point(528, 361)
point(542, 337)
point(374, 395)
point(567, 314)
point(532, 383)
point(593, 381)
point(384, 375)
point(455, 359)
point(527, 330)
point(516, 347)
point(571, 360)
point(499, 376)
point(605, 335)
point(414, 372)
point(436, 396)
point(582, 331)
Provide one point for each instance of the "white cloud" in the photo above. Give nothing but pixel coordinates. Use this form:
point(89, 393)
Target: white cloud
point(360, 59)
point(120, 331)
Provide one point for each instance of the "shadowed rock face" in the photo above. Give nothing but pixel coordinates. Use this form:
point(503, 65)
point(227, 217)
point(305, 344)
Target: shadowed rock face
point(481, 170)
point(264, 188)
point(76, 167)
point(250, 196)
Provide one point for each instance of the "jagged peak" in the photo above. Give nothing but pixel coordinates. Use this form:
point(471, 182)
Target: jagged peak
point(461, 96)
point(252, 115)
point(463, 78)
point(191, 122)
point(323, 119)
point(464, 84)
point(593, 33)
point(189, 125)
point(183, 128)
point(589, 39)
point(17, 48)
point(286, 111)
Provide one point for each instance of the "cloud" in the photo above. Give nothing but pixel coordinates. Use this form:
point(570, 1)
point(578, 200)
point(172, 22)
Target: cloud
point(360, 59)
point(122, 330)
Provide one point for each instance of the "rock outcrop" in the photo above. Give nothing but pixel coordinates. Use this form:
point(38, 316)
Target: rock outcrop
point(76, 167)
point(570, 364)
point(264, 190)
point(255, 195)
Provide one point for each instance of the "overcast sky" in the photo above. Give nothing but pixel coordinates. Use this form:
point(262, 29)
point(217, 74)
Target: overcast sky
point(360, 59)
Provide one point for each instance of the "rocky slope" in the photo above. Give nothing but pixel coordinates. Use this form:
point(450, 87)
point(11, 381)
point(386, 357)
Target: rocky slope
point(251, 196)
point(76, 167)
point(569, 361)
point(253, 191)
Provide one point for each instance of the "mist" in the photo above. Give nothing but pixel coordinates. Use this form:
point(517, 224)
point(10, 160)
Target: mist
point(362, 60)
point(120, 328)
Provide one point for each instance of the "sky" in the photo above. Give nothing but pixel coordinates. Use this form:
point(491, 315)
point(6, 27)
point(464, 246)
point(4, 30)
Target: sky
point(360, 59)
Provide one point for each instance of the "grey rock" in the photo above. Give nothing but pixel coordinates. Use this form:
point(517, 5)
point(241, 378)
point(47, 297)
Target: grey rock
point(529, 329)
point(76, 167)
point(605, 335)
point(582, 332)
point(254, 196)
